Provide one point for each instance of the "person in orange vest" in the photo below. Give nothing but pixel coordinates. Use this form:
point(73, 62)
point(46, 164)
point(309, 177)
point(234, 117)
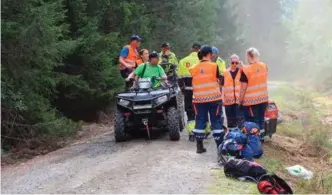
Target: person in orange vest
point(253, 91)
point(207, 99)
point(143, 57)
point(231, 89)
point(128, 56)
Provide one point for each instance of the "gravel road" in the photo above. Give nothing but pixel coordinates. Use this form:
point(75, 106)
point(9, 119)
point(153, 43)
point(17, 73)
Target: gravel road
point(100, 165)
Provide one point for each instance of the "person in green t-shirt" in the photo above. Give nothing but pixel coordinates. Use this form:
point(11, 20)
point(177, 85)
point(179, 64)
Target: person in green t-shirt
point(150, 70)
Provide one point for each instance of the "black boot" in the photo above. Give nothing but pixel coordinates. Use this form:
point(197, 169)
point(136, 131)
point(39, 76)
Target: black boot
point(200, 147)
point(191, 137)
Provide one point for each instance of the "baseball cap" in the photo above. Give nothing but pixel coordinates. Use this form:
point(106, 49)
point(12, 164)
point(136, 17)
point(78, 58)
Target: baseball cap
point(135, 37)
point(215, 50)
point(205, 50)
point(196, 46)
point(153, 55)
point(165, 45)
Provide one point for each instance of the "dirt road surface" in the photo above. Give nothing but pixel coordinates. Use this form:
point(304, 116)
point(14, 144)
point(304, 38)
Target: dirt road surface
point(99, 165)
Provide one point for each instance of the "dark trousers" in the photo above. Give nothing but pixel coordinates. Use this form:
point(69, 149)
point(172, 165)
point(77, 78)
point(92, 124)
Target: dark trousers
point(188, 104)
point(202, 111)
point(124, 74)
point(255, 113)
point(234, 115)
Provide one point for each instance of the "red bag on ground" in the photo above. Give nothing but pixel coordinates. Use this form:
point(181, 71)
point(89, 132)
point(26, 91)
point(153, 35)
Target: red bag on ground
point(272, 184)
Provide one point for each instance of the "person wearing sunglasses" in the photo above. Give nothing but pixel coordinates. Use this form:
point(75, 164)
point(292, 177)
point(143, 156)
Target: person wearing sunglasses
point(231, 89)
point(253, 91)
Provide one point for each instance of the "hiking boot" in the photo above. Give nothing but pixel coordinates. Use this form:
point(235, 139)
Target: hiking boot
point(200, 147)
point(192, 138)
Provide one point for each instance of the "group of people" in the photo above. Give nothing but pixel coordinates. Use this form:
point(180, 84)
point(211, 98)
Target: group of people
point(207, 86)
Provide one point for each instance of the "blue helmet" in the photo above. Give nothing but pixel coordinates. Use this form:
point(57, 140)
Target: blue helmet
point(215, 50)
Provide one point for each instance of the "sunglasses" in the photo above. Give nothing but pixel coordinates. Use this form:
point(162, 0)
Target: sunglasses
point(235, 62)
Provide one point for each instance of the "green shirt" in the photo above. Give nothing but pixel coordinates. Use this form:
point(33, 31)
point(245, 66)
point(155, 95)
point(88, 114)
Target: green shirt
point(150, 71)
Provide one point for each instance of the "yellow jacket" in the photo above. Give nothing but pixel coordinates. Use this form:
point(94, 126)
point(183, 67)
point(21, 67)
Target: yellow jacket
point(185, 64)
point(221, 65)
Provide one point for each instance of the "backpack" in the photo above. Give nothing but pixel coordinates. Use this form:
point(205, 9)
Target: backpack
point(239, 168)
point(252, 130)
point(272, 184)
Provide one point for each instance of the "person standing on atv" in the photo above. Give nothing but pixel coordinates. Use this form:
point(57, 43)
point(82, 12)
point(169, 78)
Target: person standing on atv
point(254, 94)
point(151, 70)
point(207, 99)
point(215, 58)
point(184, 81)
point(166, 56)
point(143, 57)
point(128, 57)
point(231, 95)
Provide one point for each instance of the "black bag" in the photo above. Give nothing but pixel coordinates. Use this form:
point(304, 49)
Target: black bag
point(272, 184)
point(243, 169)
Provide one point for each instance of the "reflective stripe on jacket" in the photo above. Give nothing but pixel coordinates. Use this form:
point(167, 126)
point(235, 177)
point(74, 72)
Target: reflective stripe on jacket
point(231, 88)
point(206, 87)
point(131, 58)
point(256, 92)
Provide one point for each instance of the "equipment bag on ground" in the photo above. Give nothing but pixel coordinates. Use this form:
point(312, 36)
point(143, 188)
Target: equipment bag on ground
point(239, 168)
point(272, 184)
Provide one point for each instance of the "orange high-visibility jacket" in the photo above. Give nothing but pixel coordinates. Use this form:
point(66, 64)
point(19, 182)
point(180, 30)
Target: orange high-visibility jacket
point(139, 62)
point(131, 58)
point(205, 83)
point(256, 92)
point(231, 89)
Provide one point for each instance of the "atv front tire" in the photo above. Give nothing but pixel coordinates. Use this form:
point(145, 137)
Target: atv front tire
point(173, 125)
point(120, 134)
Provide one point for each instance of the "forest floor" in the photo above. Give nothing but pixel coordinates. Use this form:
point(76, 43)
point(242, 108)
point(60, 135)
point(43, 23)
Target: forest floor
point(93, 163)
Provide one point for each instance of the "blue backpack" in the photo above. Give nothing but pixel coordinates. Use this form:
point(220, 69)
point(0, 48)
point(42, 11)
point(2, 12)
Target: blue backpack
point(236, 144)
point(252, 130)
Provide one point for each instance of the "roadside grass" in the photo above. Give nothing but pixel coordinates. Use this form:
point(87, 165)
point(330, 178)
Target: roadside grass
point(305, 116)
point(226, 185)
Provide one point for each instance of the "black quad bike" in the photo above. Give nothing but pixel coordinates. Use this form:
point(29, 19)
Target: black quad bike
point(170, 70)
point(145, 107)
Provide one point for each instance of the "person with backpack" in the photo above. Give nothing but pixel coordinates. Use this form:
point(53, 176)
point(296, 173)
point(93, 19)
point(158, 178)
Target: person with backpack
point(150, 69)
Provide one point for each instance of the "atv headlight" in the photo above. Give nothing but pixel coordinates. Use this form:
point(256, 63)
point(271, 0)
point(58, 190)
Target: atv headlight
point(124, 102)
point(161, 99)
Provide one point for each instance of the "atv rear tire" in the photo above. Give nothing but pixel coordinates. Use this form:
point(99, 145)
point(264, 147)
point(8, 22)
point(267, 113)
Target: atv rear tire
point(181, 112)
point(173, 125)
point(120, 134)
point(181, 119)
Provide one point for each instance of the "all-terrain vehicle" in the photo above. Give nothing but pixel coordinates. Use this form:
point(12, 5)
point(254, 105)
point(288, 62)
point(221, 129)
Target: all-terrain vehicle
point(170, 70)
point(145, 107)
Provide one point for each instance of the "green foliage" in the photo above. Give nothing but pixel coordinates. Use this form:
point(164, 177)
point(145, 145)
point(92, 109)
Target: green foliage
point(59, 58)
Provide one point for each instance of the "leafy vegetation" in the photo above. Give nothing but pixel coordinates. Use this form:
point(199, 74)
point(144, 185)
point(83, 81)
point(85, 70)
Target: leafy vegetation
point(59, 58)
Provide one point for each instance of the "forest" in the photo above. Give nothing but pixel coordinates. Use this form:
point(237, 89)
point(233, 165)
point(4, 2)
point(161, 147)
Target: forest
point(60, 57)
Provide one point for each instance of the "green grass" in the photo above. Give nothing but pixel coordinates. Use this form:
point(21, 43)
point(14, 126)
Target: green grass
point(271, 165)
point(302, 109)
point(320, 183)
point(224, 185)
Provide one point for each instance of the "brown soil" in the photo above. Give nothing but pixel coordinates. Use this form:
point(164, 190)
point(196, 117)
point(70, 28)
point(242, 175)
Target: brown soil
point(290, 152)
